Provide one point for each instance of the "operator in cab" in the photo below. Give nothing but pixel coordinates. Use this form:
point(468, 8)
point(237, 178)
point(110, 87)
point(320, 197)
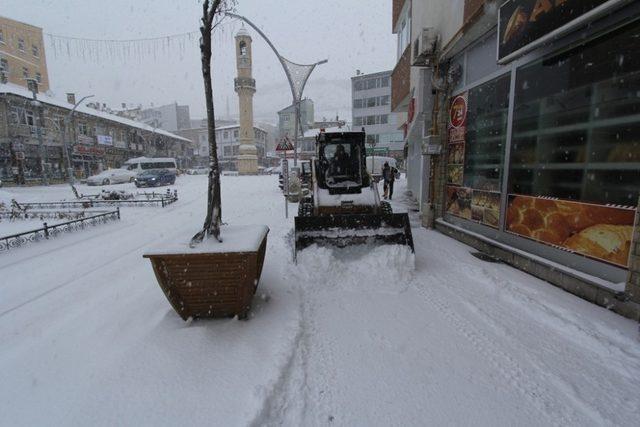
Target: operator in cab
point(340, 163)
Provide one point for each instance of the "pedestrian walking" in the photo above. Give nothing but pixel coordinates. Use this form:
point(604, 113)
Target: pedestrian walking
point(393, 174)
point(386, 176)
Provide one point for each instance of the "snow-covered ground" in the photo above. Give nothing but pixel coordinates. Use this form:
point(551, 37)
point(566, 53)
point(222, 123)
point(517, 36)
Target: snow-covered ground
point(356, 337)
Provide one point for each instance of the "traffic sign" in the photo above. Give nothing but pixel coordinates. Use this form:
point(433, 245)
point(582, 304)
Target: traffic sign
point(284, 145)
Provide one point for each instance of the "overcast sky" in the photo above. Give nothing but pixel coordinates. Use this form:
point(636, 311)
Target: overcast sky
point(352, 34)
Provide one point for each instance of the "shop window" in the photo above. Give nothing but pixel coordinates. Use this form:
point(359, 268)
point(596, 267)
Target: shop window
point(486, 134)
point(576, 129)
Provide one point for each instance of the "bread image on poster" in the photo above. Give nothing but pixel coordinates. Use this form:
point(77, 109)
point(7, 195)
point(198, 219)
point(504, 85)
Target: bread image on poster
point(598, 231)
point(459, 202)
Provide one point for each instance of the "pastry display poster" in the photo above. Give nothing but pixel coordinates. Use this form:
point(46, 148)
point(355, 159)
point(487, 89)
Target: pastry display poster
point(597, 231)
point(522, 22)
point(463, 202)
point(457, 133)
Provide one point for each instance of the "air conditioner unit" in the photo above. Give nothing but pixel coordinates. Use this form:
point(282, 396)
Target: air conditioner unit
point(425, 48)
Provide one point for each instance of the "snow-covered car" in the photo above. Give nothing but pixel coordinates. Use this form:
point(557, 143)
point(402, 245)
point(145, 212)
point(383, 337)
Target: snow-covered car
point(112, 176)
point(200, 170)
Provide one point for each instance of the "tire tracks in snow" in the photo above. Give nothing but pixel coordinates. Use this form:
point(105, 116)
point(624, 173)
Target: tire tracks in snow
point(517, 376)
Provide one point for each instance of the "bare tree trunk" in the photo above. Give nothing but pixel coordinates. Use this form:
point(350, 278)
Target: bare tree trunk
point(213, 220)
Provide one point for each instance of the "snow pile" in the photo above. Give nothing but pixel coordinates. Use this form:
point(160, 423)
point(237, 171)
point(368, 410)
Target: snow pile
point(235, 238)
point(363, 268)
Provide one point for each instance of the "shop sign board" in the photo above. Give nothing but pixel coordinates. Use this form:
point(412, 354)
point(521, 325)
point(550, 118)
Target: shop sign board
point(105, 140)
point(602, 232)
point(458, 118)
point(82, 149)
point(522, 23)
point(84, 139)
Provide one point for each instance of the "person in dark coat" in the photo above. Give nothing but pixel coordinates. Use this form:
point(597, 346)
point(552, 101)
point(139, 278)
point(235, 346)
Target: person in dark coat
point(386, 176)
point(393, 173)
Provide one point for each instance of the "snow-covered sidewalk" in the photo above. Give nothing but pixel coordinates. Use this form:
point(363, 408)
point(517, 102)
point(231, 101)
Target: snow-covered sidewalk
point(346, 338)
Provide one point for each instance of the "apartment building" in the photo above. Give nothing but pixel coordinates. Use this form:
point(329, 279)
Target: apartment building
point(22, 54)
point(96, 139)
point(521, 109)
point(371, 108)
point(287, 121)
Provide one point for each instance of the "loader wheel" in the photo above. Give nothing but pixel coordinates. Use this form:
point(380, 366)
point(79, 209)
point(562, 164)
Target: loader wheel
point(385, 208)
point(305, 208)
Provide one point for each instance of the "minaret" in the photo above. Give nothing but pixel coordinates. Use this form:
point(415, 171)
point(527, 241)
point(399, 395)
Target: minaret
point(245, 86)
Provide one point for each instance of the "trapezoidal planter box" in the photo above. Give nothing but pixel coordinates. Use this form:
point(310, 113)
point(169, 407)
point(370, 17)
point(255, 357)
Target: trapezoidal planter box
point(213, 279)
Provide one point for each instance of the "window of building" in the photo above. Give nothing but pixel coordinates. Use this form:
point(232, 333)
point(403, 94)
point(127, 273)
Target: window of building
point(357, 103)
point(371, 120)
point(371, 102)
point(22, 116)
point(35, 51)
point(404, 34)
point(384, 100)
point(357, 121)
point(576, 133)
point(25, 72)
point(243, 48)
point(226, 135)
point(30, 118)
point(4, 65)
point(384, 82)
point(384, 119)
point(236, 149)
point(21, 45)
point(227, 150)
point(1, 36)
point(83, 129)
point(39, 77)
point(235, 134)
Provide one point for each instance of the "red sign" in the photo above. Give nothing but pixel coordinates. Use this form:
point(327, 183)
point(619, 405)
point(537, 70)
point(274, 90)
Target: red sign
point(412, 110)
point(458, 113)
point(82, 149)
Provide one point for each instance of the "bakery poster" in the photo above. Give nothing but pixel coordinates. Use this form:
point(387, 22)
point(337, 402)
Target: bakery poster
point(458, 119)
point(459, 202)
point(485, 207)
point(597, 231)
point(522, 22)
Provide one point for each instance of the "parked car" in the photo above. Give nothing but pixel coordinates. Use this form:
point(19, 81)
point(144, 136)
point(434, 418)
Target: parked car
point(156, 178)
point(200, 170)
point(112, 176)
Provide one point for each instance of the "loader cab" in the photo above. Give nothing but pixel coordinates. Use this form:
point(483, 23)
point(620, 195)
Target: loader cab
point(340, 166)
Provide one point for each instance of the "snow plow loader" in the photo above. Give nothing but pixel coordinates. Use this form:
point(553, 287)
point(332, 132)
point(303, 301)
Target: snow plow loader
point(344, 207)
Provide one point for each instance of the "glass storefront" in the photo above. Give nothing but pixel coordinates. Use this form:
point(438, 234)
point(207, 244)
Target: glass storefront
point(576, 126)
point(571, 155)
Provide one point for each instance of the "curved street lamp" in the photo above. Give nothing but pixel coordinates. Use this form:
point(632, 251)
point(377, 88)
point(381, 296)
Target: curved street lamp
point(297, 75)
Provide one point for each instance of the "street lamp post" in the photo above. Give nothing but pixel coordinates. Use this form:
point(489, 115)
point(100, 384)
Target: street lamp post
point(297, 75)
point(67, 155)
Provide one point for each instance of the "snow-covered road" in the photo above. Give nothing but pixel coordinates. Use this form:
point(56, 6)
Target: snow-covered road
point(87, 337)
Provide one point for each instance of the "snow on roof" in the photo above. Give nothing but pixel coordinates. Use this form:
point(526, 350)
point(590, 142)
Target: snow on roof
point(47, 98)
point(316, 131)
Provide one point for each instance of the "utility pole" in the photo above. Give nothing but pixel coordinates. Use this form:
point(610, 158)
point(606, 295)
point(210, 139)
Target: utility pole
point(67, 155)
point(32, 84)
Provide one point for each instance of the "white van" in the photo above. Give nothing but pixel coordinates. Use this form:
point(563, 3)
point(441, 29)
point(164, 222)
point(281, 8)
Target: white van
point(140, 164)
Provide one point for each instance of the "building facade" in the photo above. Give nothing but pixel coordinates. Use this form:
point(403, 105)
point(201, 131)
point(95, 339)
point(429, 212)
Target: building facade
point(522, 133)
point(96, 139)
point(229, 140)
point(171, 117)
point(371, 108)
point(22, 54)
point(287, 119)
